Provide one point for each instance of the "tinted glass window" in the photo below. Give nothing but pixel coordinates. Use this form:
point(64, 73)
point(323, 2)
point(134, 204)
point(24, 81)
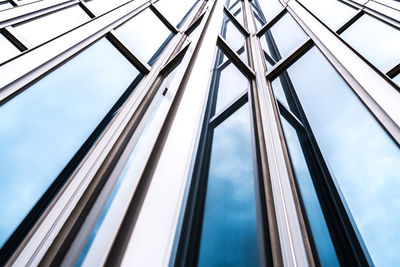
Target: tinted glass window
point(44, 126)
point(7, 49)
point(230, 83)
point(145, 42)
point(362, 158)
point(323, 10)
point(176, 14)
point(229, 232)
point(377, 41)
point(319, 229)
point(283, 37)
point(47, 27)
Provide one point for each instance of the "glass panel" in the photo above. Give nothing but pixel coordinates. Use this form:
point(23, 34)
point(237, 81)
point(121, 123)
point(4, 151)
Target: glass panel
point(278, 91)
point(5, 5)
point(229, 232)
point(42, 29)
point(234, 37)
point(397, 79)
point(270, 8)
point(101, 6)
point(176, 14)
point(231, 82)
point(146, 42)
point(319, 228)
point(375, 40)
point(323, 10)
point(283, 37)
point(238, 13)
point(363, 159)
point(7, 49)
point(44, 126)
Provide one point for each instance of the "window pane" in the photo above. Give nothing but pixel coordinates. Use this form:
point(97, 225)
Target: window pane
point(176, 14)
point(323, 10)
point(231, 82)
point(363, 159)
point(7, 49)
point(375, 40)
point(234, 38)
point(229, 232)
point(5, 5)
point(397, 79)
point(285, 36)
point(270, 8)
point(102, 6)
point(323, 242)
point(40, 30)
point(44, 126)
point(145, 42)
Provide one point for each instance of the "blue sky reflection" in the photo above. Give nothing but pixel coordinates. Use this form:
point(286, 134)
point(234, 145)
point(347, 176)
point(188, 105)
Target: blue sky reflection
point(363, 159)
point(44, 126)
point(229, 233)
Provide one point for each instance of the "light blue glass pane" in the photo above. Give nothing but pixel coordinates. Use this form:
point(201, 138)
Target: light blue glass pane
point(319, 229)
point(231, 83)
point(102, 6)
point(44, 126)
point(361, 156)
point(397, 79)
point(238, 13)
point(332, 12)
point(144, 34)
point(287, 35)
point(5, 5)
point(174, 10)
point(7, 50)
point(232, 35)
point(375, 40)
point(44, 28)
point(279, 92)
point(270, 8)
point(229, 232)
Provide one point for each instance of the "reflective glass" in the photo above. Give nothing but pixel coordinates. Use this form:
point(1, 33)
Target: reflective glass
point(101, 6)
point(44, 28)
point(229, 232)
point(270, 8)
point(5, 5)
point(375, 40)
point(238, 13)
point(363, 159)
point(44, 126)
point(7, 49)
point(285, 36)
point(233, 37)
point(323, 10)
point(176, 14)
point(322, 239)
point(145, 42)
point(397, 80)
point(231, 82)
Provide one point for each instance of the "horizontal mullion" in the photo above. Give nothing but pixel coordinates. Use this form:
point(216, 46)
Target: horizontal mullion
point(393, 71)
point(16, 38)
point(289, 116)
point(348, 23)
point(175, 59)
point(163, 19)
point(120, 44)
point(284, 63)
point(196, 23)
point(269, 24)
point(235, 58)
point(229, 109)
point(236, 22)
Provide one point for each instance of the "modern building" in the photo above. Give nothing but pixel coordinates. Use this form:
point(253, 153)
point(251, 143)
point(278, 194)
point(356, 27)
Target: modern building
point(209, 133)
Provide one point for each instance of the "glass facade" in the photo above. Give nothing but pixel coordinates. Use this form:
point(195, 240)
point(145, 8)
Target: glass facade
point(199, 133)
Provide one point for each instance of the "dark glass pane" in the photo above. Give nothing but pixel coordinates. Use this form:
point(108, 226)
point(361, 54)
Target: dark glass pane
point(178, 12)
point(375, 40)
point(43, 127)
point(363, 159)
point(234, 37)
point(320, 233)
point(323, 10)
point(44, 28)
point(229, 232)
point(231, 82)
point(144, 41)
point(283, 37)
point(7, 49)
